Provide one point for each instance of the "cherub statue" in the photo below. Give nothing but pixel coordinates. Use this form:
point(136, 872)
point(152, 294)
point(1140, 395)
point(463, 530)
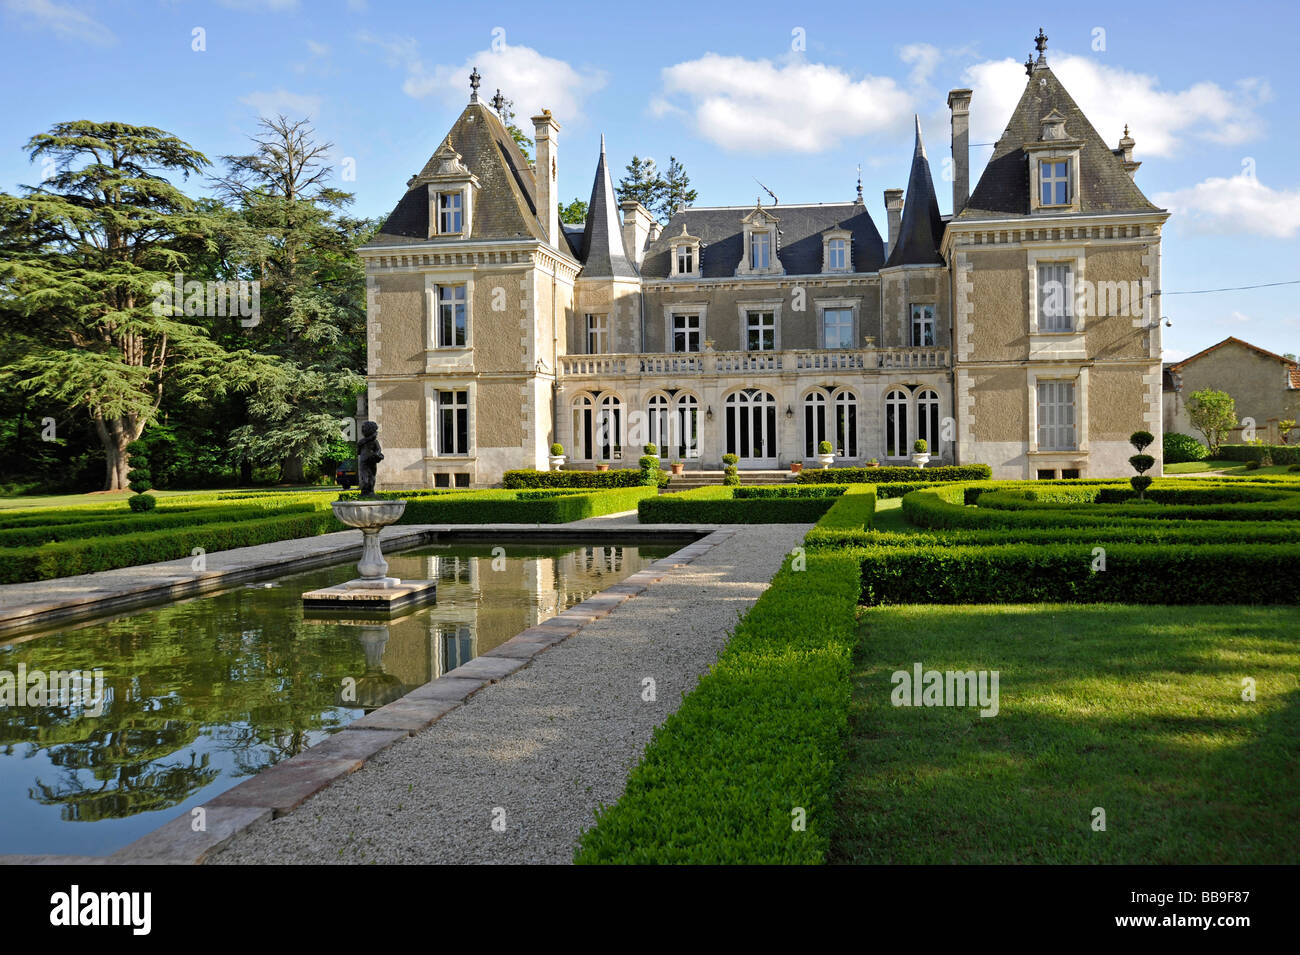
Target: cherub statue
point(369, 455)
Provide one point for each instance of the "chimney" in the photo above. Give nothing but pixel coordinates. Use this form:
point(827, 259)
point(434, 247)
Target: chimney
point(894, 209)
point(1125, 153)
point(959, 103)
point(545, 130)
point(637, 227)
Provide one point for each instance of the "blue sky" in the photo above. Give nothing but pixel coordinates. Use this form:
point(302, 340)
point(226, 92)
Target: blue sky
point(794, 95)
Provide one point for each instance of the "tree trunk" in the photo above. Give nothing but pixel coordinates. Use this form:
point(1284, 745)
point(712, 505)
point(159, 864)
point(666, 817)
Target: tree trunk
point(291, 470)
point(114, 435)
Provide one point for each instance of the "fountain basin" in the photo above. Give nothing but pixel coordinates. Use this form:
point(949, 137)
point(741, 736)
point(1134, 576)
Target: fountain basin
point(374, 590)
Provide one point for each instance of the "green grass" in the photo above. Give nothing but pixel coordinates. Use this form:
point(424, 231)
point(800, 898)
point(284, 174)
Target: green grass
point(1134, 709)
point(106, 498)
point(1227, 468)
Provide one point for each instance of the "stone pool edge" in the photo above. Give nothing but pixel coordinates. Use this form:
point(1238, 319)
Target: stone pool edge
point(282, 788)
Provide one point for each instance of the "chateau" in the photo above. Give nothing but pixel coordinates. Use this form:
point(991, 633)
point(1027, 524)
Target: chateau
point(1022, 331)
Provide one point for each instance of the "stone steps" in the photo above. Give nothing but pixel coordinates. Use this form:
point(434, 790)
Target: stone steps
point(693, 479)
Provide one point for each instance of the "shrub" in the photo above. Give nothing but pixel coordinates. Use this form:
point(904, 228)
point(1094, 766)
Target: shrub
point(557, 450)
point(558, 506)
point(1140, 483)
point(1141, 440)
point(739, 505)
point(1254, 465)
point(1294, 467)
point(958, 472)
point(142, 502)
point(1182, 448)
point(1279, 453)
point(730, 459)
point(919, 446)
point(624, 477)
point(730, 474)
point(651, 450)
point(824, 447)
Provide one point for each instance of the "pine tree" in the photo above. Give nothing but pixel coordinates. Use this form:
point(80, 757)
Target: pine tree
point(83, 254)
point(676, 193)
point(642, 183)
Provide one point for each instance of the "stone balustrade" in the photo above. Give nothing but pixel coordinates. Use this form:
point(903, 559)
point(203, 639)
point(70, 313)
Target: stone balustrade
point(753, 363)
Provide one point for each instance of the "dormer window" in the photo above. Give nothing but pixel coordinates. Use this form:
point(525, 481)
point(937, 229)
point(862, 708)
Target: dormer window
point(685, 255)
point(450, 213)
point(1054, 182)
point(760, 252)
point(837, 251)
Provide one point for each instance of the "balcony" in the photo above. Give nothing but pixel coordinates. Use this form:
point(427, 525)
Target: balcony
point(754, 362)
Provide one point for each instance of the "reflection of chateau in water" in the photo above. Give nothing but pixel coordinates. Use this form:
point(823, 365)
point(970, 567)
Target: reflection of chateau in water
point(485, 599)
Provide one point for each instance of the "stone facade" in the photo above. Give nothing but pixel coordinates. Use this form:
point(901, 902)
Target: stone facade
point(496, 331)
point(1265, 388)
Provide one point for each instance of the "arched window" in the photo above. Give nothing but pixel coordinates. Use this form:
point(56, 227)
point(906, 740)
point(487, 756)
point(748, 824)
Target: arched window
point(657, 423)
point(609, 428)
point(896, 424)
point(927, 419)
point(685, 430)
point(846, 424)
point(814, 422)
point(751, 427)
point(584, 427)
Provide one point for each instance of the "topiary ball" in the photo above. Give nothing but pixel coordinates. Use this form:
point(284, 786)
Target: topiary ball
point(1142, 462)
point(1140, 439)
point(1140, 482)
point(142, 502)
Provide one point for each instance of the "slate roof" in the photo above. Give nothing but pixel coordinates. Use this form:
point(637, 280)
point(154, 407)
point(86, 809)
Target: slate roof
point(506, 204)
point(1003, 189)
point(602, 252)
point(799, 244)
point(921, 230)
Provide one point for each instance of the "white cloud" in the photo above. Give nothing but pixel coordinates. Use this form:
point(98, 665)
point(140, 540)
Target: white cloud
point(923, 58)
point(1173, 355)
point(69, 23)
point(318, 49)
point(271, 103)
point(531, 80)
point(786, 106)
point(1159, 120)
point(1241, 205)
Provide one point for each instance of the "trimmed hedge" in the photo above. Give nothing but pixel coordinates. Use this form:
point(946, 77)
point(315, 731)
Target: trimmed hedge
point(1280, 453)
point(624, 477)
point(154, 521)
point(1044, 573)
point(760, 736)
point(515, 507)
point(738, 505)
point(889, 475)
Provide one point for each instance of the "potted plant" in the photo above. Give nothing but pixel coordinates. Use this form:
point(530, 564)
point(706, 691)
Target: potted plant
point(602, 465)
point(677, 467)
point(796, 467)
point(920, 453)
point(873, 463)
point(825, 454)
point(557, 456)
point(730, 473)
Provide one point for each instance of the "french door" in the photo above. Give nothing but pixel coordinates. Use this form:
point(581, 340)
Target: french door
point(751, 428)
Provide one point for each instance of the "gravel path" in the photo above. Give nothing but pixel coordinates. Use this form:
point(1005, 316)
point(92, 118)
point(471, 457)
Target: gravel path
point(542, 749)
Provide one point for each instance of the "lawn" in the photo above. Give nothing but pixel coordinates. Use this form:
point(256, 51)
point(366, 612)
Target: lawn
point(1136, 710)
point(1227, 468)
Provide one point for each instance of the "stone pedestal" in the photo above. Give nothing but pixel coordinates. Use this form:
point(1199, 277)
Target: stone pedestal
point(374, 590)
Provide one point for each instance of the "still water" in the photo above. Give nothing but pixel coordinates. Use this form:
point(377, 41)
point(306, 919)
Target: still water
point(176, 704)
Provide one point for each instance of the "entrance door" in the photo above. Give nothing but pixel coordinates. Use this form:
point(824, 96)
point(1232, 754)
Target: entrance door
point(751, 428)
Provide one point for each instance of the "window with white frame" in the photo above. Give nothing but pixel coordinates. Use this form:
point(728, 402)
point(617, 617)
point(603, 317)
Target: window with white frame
point(453, 422)
point(584, 427)
point(837, 328)
point(846, 424)
point(814, 422)
point(657, 424)
point(686, 333)
point(452, 317)
point(684, 428)
point(1056, 418)
point(685, 260)
point(1054, 182)
point(597, 334)
point(609, 428)
point(837, 255)
point(450, 213)
point(1055, 297)
point(896, 424)
point(927, 419)
point(922, 326)
point(760, 331)
point(760, 250)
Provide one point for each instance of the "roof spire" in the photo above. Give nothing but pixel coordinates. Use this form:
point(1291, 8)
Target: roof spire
point(473, 85)
point(1029, 65)
point(498, 101)
point(860, 184)
point(920, 143)
point(602, 144)
point(1040, 42)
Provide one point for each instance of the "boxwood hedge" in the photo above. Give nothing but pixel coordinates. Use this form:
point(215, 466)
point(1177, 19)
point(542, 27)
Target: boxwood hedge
point(889, 475)
point(724, 505)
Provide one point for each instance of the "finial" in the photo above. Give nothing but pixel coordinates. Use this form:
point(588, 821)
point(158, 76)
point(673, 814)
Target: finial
point(1040, 41)
point(859, 183)
point(498, 101)
point(1029, 65)
point(473, 85)
point(602, 144)
point(1126, 130)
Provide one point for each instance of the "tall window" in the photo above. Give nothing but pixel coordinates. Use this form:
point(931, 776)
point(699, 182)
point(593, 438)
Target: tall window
point(685, 431)
point(837, 328)
point(1056, 416)
point(453, 422)
point(814, 422)
point(449, 213)
point(451, 316)
point(584, 427)
point(597, 334)
point(922, 326)
point(686, 333)
point(760, 250)
point(927, 419)
point(658, 426)
point(896, 424)
point(1055, 297)
point(837, 254)
point(1054, 178)
point(609, 428)
point(685, 260)
point(760, 331)
point(846, 425)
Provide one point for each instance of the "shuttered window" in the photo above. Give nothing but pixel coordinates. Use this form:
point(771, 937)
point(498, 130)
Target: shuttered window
point(1055, 297)
point(1056, 430)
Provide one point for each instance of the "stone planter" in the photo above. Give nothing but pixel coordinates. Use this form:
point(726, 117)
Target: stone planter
point(370, 517)
point(920, 460)
point(557, 462)
point(825, 460)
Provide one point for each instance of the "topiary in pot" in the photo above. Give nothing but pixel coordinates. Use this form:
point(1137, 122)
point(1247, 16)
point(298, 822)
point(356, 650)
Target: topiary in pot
point(920, 447)
point(730, 473)
point(557, 450)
